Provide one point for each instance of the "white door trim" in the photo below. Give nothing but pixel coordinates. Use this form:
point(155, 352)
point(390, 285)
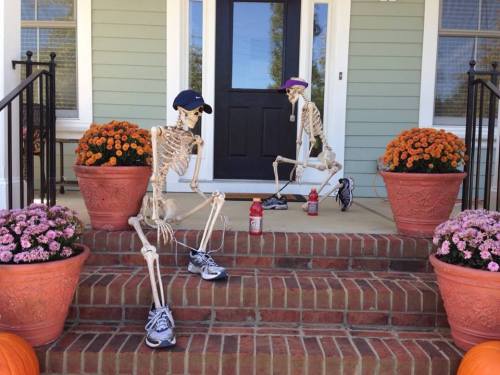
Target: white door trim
point(335, 88)
point(429, 63)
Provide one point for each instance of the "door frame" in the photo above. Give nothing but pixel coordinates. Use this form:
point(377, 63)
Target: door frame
point(177, 31)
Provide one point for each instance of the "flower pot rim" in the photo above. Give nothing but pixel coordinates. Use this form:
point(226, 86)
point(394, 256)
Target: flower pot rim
point(415, 174)
point(111, 172)
point(456, 269)
point(89, 167)
point(84, 254)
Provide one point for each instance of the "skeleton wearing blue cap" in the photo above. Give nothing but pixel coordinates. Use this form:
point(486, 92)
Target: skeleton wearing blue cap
point(172, 149)
point(312, 126)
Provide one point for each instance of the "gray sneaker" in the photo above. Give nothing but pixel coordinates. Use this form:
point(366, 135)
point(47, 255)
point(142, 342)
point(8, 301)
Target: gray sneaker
point(203, 264)
point(275, 203)
point(160, 328)
point(344, 195)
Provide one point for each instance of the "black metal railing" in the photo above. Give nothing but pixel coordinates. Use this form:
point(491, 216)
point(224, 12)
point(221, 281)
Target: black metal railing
point(36, 136)
point(482, 100)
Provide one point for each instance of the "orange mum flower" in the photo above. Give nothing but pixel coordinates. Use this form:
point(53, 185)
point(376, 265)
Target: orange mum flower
point(425, 150)
point(93, 148)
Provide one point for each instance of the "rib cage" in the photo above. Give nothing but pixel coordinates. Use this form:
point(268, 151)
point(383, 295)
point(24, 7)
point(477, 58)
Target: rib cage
point(174, 150)
point(317, 126)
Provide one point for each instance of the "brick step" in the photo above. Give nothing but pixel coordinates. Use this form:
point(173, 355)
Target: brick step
point(272, 250)
point(265, 295)
point(232, 349)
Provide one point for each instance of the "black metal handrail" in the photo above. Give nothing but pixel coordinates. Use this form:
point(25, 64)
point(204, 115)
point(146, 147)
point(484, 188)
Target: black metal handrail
point(481, 91)
point(40, 133)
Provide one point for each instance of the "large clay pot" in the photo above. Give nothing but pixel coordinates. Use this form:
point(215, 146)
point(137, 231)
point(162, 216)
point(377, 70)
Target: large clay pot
point(112, 194)
point(472, 302)
point(35, 298)
point(421, 201)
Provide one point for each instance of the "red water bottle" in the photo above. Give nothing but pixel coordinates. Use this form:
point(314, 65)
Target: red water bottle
point(256, 213)
point(312, 203)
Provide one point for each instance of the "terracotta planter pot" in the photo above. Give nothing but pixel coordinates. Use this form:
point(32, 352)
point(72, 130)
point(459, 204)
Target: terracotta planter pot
point(35, 298)
point(472, 302)
point(421, 201)
point(112, 194)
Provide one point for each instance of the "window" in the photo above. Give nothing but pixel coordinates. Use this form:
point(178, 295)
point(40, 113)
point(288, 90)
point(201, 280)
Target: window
point(257, 45)
point(196, 51)
point(50, 26)
point(195, 44)
point(469, 29)
point(318, 69)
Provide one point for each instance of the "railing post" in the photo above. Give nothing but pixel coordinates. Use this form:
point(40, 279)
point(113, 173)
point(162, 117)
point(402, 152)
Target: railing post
point(52, 131)
point(468, 133)
point(492, 114)
point(9, 156)
point(30, 175)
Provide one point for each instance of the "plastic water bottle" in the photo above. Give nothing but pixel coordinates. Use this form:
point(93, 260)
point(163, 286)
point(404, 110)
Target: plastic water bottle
point(312, 203)
point(256, 213)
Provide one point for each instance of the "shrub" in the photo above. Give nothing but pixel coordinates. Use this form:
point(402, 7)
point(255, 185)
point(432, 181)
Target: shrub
point(114, 144)
point(38, 234)
point(425, 150)
point(472, 240)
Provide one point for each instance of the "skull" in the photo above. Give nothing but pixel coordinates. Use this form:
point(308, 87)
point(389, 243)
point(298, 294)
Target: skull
point(294, 93)
point(190, 118)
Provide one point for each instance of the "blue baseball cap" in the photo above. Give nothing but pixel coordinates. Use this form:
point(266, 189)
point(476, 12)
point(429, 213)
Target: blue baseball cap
point(190, 99)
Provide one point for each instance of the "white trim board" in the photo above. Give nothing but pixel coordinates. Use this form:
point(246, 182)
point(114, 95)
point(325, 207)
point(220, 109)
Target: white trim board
point(10, 49)
point(335, 88)
point(74, 127)
point(429, 63)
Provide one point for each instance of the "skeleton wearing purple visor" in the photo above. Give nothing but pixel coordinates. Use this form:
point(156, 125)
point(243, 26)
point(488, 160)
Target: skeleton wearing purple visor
point(311, 125)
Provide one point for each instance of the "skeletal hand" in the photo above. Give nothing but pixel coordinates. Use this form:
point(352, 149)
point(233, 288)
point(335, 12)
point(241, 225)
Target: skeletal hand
point(299, 172)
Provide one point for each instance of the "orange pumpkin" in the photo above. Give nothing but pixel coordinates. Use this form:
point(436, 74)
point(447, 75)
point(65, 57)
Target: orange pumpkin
point(482, 359)
point(17, 356)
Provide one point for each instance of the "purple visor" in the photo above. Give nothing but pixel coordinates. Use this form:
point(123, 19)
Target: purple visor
point(292, 82)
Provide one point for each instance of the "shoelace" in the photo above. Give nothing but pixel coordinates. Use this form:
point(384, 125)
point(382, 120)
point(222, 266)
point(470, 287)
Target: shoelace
point(209, 260)
point(161, 320)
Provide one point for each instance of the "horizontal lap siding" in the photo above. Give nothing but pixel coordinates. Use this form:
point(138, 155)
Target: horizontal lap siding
point(128, 65)
point(385, 52)
point(128, 55)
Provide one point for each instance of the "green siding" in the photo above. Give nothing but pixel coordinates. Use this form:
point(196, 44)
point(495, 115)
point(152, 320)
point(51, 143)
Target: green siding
point(128, 56)
point(383, 92)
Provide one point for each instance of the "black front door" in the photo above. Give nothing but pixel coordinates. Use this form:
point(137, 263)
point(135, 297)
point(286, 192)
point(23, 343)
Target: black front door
point(257, 50)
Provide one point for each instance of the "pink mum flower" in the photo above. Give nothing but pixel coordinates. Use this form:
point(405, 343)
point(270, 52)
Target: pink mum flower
point(25, 243)
point(5, 256)
point(493, 266)
point(54, 246)
point(485, 254)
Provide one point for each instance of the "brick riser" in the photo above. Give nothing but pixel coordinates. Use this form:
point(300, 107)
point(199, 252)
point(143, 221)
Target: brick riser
point(273, 250)
point(264, 296)
point(115, 349)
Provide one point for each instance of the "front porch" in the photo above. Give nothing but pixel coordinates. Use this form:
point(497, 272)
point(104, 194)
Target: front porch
point(367, 215)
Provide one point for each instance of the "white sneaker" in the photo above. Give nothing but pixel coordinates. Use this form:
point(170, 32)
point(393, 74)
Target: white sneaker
point(160, 328)
point(203, 264)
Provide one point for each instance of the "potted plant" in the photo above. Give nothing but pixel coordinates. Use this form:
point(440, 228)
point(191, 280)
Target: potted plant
point(113, 169)
point(467, 263)
point(40, 264)
point(423, 178)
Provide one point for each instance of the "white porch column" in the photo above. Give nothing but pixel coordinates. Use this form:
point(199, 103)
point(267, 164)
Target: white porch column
point(10, 46)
